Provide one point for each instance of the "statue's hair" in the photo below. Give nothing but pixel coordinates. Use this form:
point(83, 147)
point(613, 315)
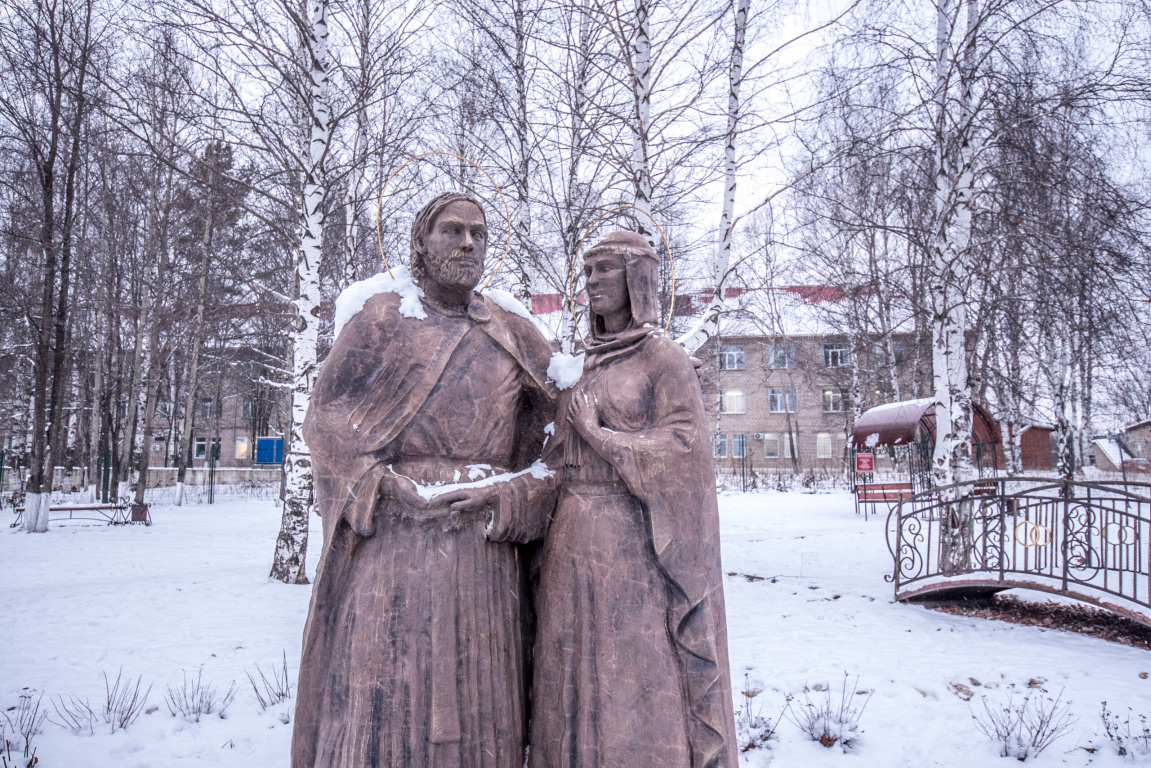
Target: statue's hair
point(422, 226)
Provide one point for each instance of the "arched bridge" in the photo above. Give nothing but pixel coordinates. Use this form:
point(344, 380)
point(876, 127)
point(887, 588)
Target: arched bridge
point(1090, 541)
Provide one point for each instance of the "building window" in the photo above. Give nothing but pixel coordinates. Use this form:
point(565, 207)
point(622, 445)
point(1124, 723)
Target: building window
point(733, 401)
point(719, 446)
point(782, 400)
point(738, 446)
point(781, 356)
point(823, 447)
point(241, 447)
point(836, 355)
point(790, 445)
point(205, 407)
point(832, 401)
point(246, 412)
point(731, 359)
point(771, 446)
point(881, 354)
point(200, 448)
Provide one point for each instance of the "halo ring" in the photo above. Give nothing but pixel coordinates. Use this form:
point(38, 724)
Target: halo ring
point(480, 168)
point(579, 248)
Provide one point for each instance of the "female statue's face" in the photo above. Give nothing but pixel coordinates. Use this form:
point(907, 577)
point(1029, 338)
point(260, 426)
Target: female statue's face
point(607, 285)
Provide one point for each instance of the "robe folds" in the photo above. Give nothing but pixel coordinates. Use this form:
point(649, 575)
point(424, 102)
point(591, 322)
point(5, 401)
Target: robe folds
point(414, 649)
point(630, 664)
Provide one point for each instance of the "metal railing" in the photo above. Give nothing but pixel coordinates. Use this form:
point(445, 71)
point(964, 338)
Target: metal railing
point(1087, 540)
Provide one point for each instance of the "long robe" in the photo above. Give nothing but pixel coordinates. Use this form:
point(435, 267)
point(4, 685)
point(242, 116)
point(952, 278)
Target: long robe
point(630, 664)
point(414, 650)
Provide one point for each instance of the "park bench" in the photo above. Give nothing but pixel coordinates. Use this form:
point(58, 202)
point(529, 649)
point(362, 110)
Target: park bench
point(872, 493)
point(869, 495)
point(120, 512)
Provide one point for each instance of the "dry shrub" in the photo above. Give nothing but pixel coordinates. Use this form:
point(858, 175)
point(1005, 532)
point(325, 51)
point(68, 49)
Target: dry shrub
point(194, 698)
point(271, 691)
point(831, 723)
point(1024, 728)
point(23, 723)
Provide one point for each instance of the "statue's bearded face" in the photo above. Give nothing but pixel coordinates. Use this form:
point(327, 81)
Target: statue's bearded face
point(456, 245)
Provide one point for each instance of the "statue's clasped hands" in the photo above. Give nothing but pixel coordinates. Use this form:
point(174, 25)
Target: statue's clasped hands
point(407, 495)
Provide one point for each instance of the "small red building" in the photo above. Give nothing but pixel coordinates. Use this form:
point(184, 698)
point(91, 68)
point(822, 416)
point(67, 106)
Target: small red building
point(1035, 447)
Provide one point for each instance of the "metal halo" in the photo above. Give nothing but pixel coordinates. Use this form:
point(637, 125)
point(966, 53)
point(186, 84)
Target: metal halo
point(579, 247)
point(507, 211)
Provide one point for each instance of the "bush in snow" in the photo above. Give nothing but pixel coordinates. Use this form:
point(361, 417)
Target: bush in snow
point(272, 691)
point(753, 730)
point(75, 714)
point(123, 703)
point(22, 722)
point(1025, 728)
point(1127, 742)
point(194, 698)
point(829, 722)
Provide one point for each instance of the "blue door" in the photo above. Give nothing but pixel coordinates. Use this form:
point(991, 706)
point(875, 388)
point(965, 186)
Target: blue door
point(269, 450)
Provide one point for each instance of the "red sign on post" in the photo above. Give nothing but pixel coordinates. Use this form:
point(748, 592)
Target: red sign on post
point(864, 463)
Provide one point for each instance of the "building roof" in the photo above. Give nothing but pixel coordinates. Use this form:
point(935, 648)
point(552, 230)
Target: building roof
point(891, 423)
point(1111, 450)
point(897, 423)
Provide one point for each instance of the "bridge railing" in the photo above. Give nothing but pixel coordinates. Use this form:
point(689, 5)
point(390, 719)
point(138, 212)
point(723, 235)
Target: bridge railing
point(1088, 540)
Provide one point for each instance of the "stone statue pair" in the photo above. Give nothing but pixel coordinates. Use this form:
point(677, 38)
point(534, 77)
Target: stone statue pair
point(506, 564)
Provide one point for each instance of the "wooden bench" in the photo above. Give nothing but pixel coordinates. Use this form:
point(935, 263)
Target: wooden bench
point(872, 493)
point(121, 512)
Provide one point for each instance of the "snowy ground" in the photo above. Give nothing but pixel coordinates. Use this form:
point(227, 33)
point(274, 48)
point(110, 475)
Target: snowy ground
point(192, 590)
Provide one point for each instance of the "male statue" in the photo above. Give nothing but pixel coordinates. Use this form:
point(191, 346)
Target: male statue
point(414, 649)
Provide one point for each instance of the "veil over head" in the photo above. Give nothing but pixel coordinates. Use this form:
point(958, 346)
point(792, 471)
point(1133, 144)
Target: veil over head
point(641, 266)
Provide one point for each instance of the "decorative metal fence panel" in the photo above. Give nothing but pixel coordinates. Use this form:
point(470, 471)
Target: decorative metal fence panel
point(1085, 540)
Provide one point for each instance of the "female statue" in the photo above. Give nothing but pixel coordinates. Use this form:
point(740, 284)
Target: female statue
point(630, 664)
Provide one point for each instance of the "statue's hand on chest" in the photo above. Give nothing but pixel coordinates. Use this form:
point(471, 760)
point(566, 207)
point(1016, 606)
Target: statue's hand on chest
point(616, 403)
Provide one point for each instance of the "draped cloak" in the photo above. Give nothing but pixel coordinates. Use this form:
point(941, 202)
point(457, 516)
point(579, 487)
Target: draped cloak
point(414, 649)
point(631, 653)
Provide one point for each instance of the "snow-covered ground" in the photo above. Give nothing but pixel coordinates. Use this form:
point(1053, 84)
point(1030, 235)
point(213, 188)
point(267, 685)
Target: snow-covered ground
point(807, 604)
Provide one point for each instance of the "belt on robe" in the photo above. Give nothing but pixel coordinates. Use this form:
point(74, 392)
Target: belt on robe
point(432, 470)
point(596, 488)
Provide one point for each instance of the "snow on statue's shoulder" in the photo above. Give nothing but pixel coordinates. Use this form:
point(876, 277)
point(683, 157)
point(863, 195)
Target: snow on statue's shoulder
point(565, 370)
point(400, 282)
point(506, 300)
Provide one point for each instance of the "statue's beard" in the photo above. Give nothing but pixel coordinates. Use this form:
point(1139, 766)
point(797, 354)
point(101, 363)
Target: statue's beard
point(460, 271)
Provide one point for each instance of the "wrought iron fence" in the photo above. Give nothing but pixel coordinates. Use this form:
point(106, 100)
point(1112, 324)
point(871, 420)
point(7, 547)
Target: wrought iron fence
point(1088, 540)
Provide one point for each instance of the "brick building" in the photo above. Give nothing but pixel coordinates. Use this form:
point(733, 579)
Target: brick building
point(783, 401)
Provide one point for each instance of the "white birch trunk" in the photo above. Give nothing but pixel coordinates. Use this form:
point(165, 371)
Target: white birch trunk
point(523, 222)
point(354, 201)
point(134, 389)
point(288, 564)
point(97, 394)
point(31, 513)
point(708, 325)
point(641, 93)
point(949, 277)
point(1064, 411)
